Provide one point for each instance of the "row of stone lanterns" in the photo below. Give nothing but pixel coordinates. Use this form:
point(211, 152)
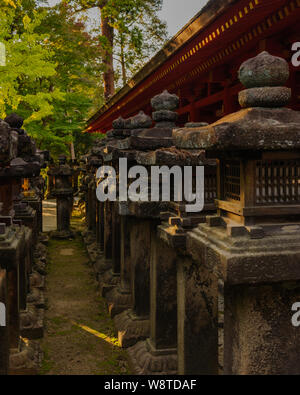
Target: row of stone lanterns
point(208, 292)
point(22, 255)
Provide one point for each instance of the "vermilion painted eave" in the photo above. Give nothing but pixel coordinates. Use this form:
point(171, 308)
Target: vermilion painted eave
point(101, 122)
point(206, 15)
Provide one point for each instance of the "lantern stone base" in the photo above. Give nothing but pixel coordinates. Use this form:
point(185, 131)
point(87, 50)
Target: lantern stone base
point(118, 300)
point(261, 281)
point(25, 360)
point(146, 360)
point(107, 281)
point(131, 328)
point(32, 322)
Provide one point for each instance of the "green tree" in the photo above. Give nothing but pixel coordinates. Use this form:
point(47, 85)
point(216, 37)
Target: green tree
point(139, 33)
point(54, 63)
point(130, 32)
point(52, 74)
point(28, 62)
point(79, 64)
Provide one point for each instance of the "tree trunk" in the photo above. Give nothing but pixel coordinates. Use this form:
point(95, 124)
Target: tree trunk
point(109, 81)
point(73, 157)
point(124, 75)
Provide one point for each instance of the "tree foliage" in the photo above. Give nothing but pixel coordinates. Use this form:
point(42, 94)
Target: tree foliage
point(28, 63)
point(138, 31)
point(139, 34)
point(59, 71)
point(51, 76)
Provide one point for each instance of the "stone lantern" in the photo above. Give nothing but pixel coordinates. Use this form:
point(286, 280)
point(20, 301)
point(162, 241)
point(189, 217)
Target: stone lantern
point(34, 189)
point(63, 192)
point(109, 224)
point(27, 165)
point(249, 253)
point(15, 244)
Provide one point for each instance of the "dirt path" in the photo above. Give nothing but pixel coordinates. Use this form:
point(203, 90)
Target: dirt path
point(77, 324)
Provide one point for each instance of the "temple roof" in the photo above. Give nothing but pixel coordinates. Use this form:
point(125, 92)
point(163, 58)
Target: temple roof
point(199, 64)
point(203, 18)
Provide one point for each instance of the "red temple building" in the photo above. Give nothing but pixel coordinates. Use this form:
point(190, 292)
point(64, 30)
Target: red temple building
point(201, 61)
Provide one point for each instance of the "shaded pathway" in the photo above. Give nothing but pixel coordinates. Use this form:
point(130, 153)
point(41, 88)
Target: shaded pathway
point(76, 320)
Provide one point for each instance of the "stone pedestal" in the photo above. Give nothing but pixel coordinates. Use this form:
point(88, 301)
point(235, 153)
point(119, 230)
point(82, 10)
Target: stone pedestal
point(36, 204)
point(100, 225)
point(32, 322)
point(25, 213)
point(25, 360)
point(108, 234)
point(158, 354)
point(26, 264)
point(111, 277)
point(91, 214)
point(133, 325)
point(63, 216)
point(18, 160)
point(119, 298)
point(12, 243)
point(200, 313)
point(247, 256)
point(254, 306)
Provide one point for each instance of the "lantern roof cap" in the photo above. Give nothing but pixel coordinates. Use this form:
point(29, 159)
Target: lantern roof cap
point(248, 129)
point(263, 124)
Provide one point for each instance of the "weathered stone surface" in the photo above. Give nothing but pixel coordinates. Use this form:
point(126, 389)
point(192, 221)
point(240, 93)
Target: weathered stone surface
point(170, 157)
point(173, 236)
point(32, 322)
point(197, 303)
point(8, 143)
point(257, 127)
point(252, 279)
point(36, 297)
point(101, 265)
point(94, 251)
point(145, 362)
point(265, 97)
point(249, 129)
point(148, 139)
point(164, 116)
point(118, 123)
point(195, 124)
point(37, 280)
point(146, 209)
point(141, 121)
point(165, 101)
point(131, 328)
point(264, 70)
point(107, 281)
point(25, 361)
point(63, 192)
point(117, 301)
